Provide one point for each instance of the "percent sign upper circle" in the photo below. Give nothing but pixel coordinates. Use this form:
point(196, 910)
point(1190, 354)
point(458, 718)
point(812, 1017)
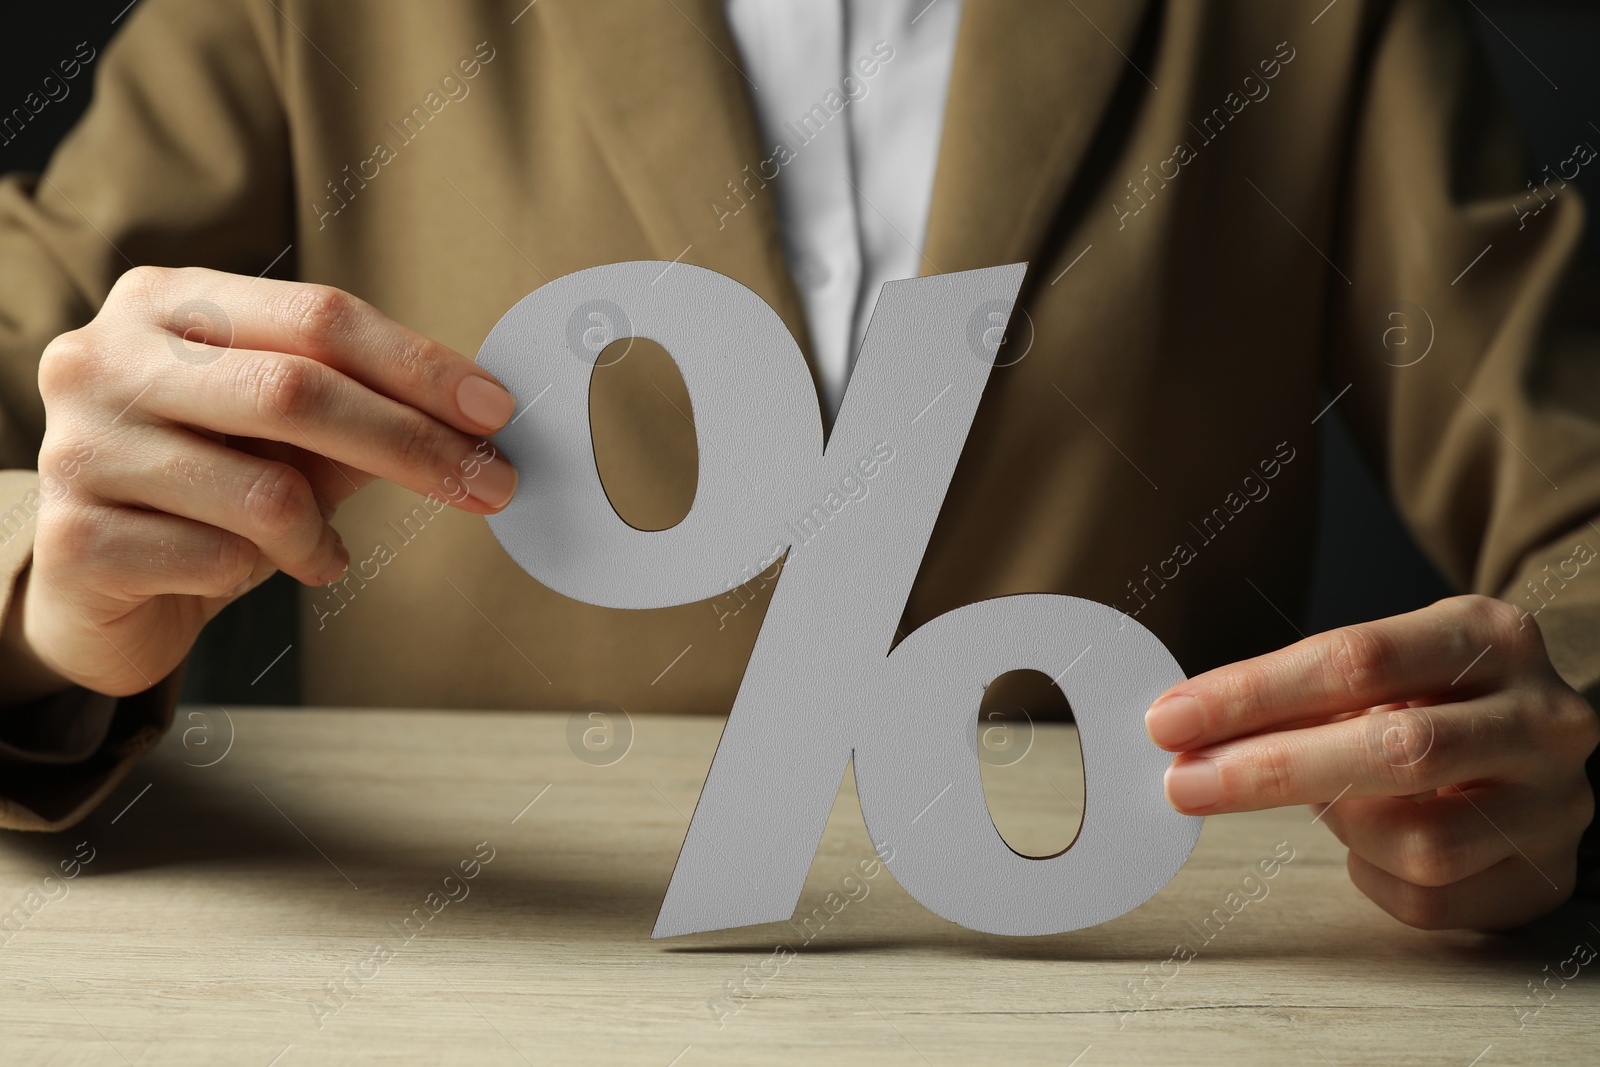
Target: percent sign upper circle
point(744, 374)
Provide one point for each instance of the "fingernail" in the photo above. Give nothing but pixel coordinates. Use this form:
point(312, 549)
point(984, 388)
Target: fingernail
point(1174, 721)
point(1193, 784)
point(495, 483)
point(484, 402)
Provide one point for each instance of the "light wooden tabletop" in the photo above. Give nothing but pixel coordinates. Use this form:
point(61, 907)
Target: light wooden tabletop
point(258, 892)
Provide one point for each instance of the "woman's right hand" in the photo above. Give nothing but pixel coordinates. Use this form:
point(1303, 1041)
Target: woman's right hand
point(199, 434)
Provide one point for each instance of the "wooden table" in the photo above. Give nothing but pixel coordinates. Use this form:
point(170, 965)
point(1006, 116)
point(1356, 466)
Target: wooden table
point(248, 898)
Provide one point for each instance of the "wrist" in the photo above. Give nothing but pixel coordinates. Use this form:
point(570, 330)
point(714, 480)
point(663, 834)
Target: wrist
point(27, 676)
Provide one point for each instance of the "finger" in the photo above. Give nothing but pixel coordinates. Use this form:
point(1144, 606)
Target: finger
point(1446, 836)
point(301, 402)
point(1392, 753)
point(130, 554)
point(332, 482)
point(269, 503)
point(1510, 893)
point(1463, 644)
point(204, 307)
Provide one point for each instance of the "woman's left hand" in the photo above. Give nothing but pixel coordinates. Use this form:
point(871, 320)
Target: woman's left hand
point(1439, 746)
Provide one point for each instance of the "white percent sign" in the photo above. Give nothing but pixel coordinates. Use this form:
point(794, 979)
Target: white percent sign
point(826, 682)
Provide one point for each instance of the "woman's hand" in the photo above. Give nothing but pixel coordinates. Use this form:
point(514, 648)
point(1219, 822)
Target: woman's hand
point(200, 432)
point(1439, 746)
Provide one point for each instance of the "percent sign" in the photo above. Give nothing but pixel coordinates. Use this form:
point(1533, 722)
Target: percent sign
point(826, 682)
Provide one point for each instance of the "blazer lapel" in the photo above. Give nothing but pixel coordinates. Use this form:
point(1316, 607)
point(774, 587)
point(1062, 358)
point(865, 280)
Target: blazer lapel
point(1029, 90)
point(662, 89)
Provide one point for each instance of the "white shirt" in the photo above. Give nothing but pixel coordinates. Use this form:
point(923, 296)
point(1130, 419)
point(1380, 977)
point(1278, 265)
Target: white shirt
point(854, 93)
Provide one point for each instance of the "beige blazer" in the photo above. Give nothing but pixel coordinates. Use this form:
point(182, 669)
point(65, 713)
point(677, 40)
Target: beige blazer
point(1224, 208)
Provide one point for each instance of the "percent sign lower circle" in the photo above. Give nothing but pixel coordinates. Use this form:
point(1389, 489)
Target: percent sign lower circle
point(826, 683)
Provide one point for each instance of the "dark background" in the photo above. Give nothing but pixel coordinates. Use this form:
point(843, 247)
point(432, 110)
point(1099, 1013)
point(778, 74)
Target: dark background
point(1367, 566)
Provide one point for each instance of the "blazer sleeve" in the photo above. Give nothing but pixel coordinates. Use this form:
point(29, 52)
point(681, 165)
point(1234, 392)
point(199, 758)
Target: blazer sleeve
point(1469, 334)
point(182, 159)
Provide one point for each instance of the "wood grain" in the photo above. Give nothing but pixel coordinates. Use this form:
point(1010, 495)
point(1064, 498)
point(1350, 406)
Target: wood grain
point(226, 905)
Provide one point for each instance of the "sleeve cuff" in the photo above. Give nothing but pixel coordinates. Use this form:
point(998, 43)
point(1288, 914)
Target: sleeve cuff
point(67, 752)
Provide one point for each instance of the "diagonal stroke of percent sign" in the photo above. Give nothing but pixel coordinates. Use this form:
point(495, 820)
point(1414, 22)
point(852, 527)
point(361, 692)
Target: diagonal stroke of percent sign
point(834, 613)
